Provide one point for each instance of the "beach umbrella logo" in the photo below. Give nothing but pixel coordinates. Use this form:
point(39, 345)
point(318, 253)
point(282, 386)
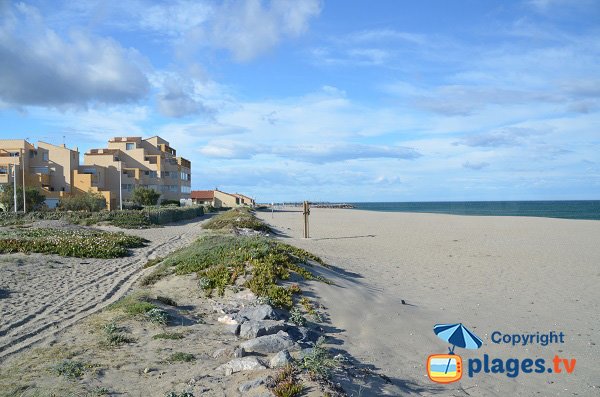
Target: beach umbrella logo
point(447, 368)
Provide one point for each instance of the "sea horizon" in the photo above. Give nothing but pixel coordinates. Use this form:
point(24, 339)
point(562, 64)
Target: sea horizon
point(564, 209)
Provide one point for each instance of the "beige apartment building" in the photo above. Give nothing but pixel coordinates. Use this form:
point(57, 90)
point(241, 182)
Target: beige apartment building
point(56, 171)
point(150, 163)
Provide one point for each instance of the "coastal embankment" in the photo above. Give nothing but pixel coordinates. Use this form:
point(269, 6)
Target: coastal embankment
point(399, 274)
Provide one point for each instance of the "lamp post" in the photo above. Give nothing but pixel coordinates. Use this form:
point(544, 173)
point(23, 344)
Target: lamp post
point(15, 184)
point(120, 186)
point(23, 171)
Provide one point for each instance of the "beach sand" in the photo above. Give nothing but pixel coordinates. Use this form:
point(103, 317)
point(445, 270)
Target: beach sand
point(514, 275)
point(44, 294)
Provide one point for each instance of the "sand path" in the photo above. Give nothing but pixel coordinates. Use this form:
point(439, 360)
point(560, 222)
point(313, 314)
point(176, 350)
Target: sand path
point(44, 294)
point(507, 274)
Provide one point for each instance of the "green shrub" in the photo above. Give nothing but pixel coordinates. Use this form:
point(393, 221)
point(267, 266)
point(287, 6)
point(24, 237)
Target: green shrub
point(319, 363)
point(219, 260)
point(157, 316)
point(34, 199)
point(236, 218)
point(296, 317)
point(181, 357)
point(144, 196)
point(90, 201)
point(69, 369)
point(169, 335)
point(79, 243)
point(170, 202)
point(285, 383)
point(115, 336)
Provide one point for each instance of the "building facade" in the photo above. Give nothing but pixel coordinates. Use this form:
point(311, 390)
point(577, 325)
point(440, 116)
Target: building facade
point(126, 163)
point(149, 163)
point(53, 169)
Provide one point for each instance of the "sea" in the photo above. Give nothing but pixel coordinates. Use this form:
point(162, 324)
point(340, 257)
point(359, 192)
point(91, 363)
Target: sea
point(578, 209)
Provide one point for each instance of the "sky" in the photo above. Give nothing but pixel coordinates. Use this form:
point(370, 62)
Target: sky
point(321, 100)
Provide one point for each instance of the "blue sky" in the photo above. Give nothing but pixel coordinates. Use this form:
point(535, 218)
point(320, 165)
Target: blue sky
point(321, 100)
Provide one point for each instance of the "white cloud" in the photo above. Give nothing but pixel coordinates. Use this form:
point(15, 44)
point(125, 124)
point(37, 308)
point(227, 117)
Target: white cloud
point(39, 67)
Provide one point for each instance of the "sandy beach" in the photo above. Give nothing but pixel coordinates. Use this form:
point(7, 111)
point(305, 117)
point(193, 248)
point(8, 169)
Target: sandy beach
point(48, 293)
point(512, 275)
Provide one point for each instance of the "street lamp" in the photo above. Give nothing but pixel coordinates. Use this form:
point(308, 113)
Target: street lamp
point(120, 185)
point(15, 183)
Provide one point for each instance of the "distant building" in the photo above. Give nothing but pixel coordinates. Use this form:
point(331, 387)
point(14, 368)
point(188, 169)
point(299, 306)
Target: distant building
point(54, 170)
point(249, 201)
point(219, 199)
point(150, 163)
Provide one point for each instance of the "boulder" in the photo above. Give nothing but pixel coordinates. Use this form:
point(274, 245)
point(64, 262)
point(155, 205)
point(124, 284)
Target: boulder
point(255, 313)
point(254, 329)
point(241, 364)
point(253, 384)
point(268, 343)
point(281, 359)
point(304, 335)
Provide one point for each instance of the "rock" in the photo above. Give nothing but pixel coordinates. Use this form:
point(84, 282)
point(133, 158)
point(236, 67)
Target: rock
point(239, 352)
point(246, 295)
point(233, 329)
point(303, 334)
point(222, 352)
point(268, 343)
point(146, 370)
point(244, 387)
point(256, 313)
point(281, 359)
point(254, 329)
point(227, 320)
point(241, 364)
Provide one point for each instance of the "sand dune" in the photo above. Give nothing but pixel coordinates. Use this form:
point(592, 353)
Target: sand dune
point(506, 274)
point(44, 294)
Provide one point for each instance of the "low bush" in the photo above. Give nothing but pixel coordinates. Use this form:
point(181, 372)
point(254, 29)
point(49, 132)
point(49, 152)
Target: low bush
point(91, 202)
point(169, 335)
point(69, 369)
point(219, 260)
point(285, 383)
point(79, 243)
point(127, 219)
point(115, 335)
point(319, 363)
point(181, 357)
point(236, 218)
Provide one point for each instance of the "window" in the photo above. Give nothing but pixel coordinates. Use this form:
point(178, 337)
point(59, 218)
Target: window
point(127, 186)
point(40, 170)
point(173, 188)
point(88, 171)
point(45, 156)
point(3, 170)
point(186, 189)
point(129, 146)
point(32, 153)
point(14, 154)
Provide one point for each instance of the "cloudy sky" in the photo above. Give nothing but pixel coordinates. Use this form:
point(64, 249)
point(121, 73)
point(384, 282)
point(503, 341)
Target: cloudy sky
point(322, 100)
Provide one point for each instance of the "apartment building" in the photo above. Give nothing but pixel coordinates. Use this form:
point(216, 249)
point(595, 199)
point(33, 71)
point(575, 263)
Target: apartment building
point(132, 161)
point(53, 169)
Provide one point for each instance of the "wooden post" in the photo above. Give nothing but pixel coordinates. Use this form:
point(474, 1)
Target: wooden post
point(306, 213)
